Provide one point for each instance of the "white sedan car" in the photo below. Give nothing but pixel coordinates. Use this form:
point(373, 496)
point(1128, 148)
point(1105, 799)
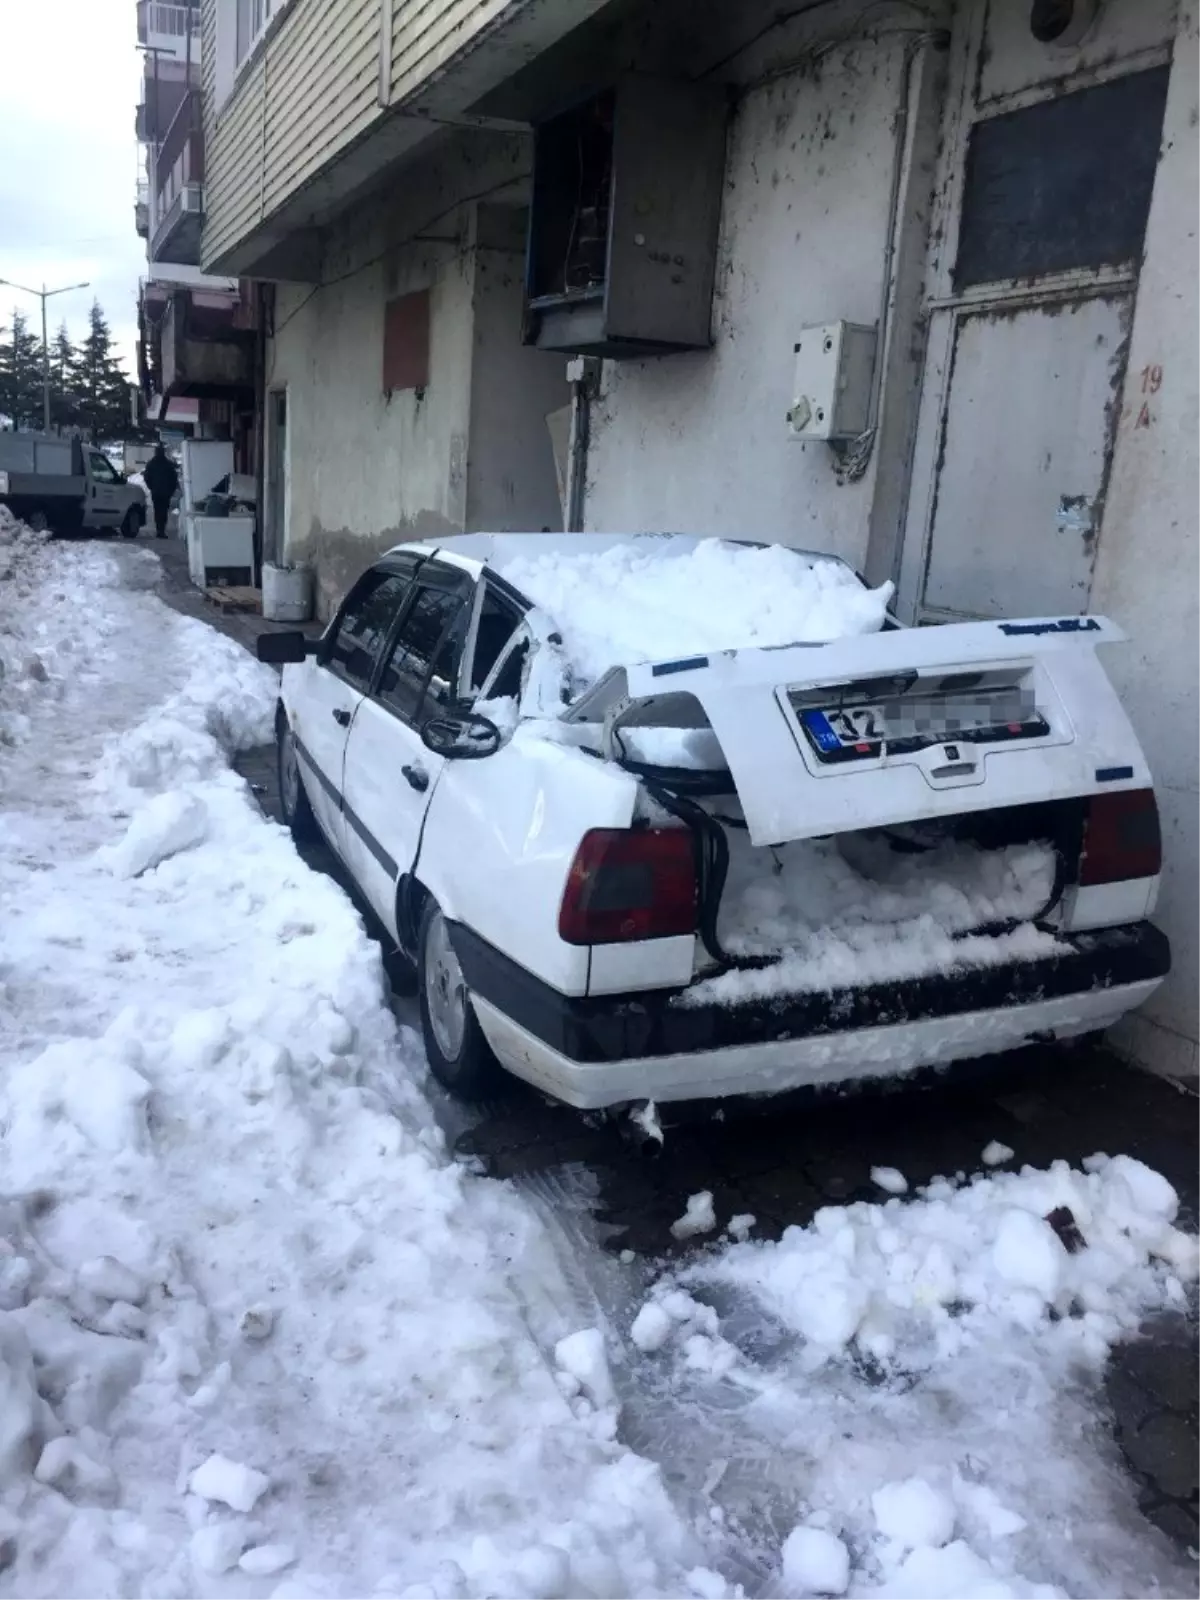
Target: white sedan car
point(660, 818)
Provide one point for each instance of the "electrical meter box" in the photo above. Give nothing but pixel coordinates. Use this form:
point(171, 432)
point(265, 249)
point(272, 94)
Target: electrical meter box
point(831, 388)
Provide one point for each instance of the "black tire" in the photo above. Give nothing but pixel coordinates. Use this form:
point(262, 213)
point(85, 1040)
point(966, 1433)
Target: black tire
point(459, 1055)
point(38, 521)
point(132, 524)
point(293, 801)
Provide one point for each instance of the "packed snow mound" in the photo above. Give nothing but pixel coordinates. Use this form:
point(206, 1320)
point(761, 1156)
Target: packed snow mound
point(629, 603)
point(252, 1316)
point(912, 1280)
point(851, 911)
point(939, 1349)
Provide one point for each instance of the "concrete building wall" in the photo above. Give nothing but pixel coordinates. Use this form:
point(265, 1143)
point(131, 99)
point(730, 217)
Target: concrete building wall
point(511, 481)
point(368, 470)
point(1148, 562)
point(700, 442)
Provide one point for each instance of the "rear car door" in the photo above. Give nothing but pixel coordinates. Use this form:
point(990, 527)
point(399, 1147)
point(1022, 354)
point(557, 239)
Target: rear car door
point(104, 504)
point(330, 687)
point(389, 774)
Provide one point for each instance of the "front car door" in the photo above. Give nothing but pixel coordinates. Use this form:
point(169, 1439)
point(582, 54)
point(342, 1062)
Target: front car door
point(323, 695)
point(104, 505)
point(389, 774)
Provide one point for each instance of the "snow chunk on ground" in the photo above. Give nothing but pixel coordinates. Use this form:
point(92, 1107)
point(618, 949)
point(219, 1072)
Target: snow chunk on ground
point(699, 1217)
point(996, 1154)
point(235, 1485)
point(815, 1563)
point(582, 1356)
point(166, 825)
point(264, 1560)
point(651, 1328)
point(1029, 1254)
point(217, 1546)
point(890, 1179)
point(913, 1513)
point(956, 1572)
point(650, 600)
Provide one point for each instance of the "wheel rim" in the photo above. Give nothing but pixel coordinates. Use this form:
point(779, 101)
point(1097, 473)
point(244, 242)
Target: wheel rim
point(289, 775)
point(445, 992)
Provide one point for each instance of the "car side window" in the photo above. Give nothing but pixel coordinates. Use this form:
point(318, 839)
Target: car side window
point(102, 468)
point(364, 624)
point(499, 619)
point(422, 670)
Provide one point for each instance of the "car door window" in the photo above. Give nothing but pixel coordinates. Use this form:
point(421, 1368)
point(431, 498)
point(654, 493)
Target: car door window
point(102, 468)
point(364, 625)
point(422, 670)
point(499, 619)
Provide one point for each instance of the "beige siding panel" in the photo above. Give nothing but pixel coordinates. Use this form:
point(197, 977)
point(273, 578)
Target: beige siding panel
point(233, 166)
point(321, 91)
point(426, 34)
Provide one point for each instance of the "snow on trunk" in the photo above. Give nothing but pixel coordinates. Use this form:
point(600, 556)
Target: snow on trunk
point(251, 1315)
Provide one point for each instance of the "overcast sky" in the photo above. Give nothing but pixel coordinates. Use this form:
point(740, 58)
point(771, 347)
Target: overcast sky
point(69, 161)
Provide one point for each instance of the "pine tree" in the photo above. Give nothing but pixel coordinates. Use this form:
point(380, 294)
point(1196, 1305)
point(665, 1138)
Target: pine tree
point(64, 401)
point(101, 387)
point(21, 375)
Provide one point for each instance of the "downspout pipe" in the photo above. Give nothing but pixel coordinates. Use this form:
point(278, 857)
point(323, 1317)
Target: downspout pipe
point(583, 374)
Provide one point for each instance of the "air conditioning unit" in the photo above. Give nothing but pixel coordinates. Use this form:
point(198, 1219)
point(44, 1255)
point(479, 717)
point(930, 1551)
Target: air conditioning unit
point(191, 199)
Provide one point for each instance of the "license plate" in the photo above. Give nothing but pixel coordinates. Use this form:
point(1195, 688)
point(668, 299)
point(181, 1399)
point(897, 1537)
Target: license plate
point(864, 732)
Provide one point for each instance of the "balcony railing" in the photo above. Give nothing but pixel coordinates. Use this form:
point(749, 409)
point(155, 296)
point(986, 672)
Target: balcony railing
point(159, 22)
point(179, 195)
point(141, 209)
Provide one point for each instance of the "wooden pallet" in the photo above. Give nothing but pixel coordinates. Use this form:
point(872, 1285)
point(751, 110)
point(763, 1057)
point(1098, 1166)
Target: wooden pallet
point(240, 598)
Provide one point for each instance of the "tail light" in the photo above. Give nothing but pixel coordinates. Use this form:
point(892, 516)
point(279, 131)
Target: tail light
point(629, 884)
point(1121, 838)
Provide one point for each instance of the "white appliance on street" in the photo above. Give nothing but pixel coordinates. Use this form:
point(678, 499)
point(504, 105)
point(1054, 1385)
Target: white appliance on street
point(220, 549)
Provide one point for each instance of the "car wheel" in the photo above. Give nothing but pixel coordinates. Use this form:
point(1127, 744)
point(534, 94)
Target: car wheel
point(38, 521)
point(459, 1056)
point(293, 801)
point(132, 525)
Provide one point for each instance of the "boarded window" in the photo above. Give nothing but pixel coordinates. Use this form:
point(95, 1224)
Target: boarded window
point(406, 342)
point(1062, 184)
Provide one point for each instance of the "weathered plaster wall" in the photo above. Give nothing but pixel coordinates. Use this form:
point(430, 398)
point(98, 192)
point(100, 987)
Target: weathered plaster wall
point(1148, 561)
point(367, 470)
point(511, 482)
point(700, 442)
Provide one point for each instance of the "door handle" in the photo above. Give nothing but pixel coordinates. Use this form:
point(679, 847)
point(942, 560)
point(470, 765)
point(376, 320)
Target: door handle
point(417, 777)
point(341, 717)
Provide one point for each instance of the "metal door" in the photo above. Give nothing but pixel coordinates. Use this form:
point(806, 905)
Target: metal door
point(1026, 419)
point(1044, 185)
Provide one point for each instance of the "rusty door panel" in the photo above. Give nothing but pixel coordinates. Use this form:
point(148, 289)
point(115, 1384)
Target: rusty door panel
point(1027, 430)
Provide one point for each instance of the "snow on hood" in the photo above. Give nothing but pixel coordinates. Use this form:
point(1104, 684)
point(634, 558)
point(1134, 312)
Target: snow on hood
point(253, 1319)
point(656, 599)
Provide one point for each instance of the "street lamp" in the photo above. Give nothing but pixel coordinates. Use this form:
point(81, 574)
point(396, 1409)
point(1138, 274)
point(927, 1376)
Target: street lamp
point(44, 294)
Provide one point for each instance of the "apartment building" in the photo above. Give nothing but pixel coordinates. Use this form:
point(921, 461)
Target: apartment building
point(197, 339)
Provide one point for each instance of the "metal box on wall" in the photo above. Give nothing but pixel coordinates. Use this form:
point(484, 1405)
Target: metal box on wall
point(831, 383)
point(623, 227)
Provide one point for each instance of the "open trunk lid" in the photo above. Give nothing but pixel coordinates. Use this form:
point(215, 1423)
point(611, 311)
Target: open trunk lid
point(899, 726)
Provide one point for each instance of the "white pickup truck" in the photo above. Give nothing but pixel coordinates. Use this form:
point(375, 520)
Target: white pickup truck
point(67, 485)
point(663, 818)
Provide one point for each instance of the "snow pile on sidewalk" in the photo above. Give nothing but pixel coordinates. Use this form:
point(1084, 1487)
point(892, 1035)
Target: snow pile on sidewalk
point(257, 1333)
point(632, 603)
point(852, 911)
point(931, 1386)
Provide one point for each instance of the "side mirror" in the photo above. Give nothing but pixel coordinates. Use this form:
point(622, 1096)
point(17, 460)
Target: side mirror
point(461, 736)
point(282, 649)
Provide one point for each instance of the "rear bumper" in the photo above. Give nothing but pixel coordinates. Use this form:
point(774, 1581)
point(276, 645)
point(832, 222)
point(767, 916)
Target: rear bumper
point(593, 1052)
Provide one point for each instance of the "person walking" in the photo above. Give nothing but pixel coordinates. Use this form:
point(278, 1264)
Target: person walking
point(161, 480)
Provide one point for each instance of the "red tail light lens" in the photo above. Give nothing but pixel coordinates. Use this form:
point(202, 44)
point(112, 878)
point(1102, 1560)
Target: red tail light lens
point(629, 884)
point(1121, 838)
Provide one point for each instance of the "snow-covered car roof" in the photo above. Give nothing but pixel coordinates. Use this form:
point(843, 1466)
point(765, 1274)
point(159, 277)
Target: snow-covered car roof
point(619, 598)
